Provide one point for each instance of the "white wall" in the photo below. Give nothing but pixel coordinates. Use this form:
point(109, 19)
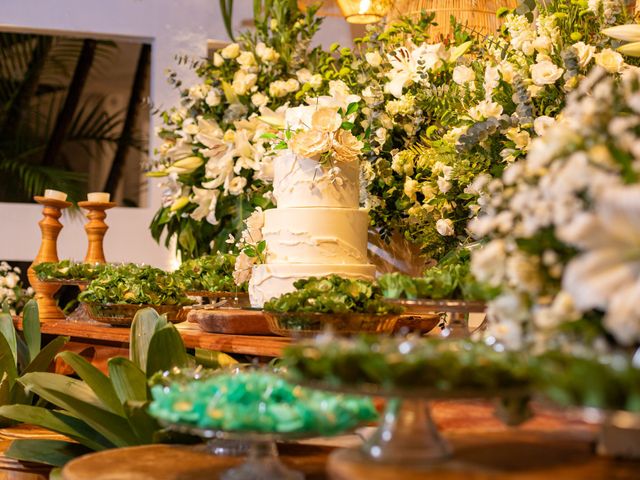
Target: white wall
point(173, 27)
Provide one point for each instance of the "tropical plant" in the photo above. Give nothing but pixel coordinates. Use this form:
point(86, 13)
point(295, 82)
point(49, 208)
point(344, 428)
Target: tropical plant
point(42, 112)
point(22, 355)
point(96, 411)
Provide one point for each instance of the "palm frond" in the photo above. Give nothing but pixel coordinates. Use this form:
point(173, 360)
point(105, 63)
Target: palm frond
point(32, 179)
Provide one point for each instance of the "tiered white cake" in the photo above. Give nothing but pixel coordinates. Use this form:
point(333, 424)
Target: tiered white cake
point(316, 230)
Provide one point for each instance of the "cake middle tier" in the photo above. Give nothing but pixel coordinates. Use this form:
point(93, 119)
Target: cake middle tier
point(336, 236)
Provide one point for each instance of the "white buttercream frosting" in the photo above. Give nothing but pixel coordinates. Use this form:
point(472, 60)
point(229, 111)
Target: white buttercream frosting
point(303, 182)
point(273, 280)
point(323, 235)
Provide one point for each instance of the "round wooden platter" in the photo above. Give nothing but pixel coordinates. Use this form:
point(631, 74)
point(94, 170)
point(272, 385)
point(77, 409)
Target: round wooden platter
point(174, 462)
point(509, 455)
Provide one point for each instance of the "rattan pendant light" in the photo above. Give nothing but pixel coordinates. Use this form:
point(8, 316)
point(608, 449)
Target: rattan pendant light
point(479, 15)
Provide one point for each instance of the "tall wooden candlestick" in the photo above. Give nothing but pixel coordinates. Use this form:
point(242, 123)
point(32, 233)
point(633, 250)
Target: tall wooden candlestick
point(96, 228)
point(50, 228)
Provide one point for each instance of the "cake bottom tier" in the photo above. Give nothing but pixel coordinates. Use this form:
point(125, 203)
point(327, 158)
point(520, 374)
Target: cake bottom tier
point(272, 280)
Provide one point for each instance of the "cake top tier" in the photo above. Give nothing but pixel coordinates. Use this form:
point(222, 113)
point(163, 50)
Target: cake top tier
point(301, 182)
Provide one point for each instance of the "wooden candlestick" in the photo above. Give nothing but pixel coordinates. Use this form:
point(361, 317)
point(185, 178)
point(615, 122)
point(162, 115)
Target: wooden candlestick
point(50, 228)
point(96, 228)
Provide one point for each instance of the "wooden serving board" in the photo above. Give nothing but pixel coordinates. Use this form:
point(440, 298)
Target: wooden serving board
point(231, 321)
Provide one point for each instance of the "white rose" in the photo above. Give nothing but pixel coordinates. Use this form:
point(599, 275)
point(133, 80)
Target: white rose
point(463, 74)
point(259, 99)
point(292, 85)
point(584, 53)
point(486, 109)
point(444, 185)
point(444, 226)
point(303, 75)
point(508, 71)
point(315, 81)
point(610, 60)
point(213, 98)
point(410, 187)
point(267, 54)
point(217, 60)
point(545, 73)
point(236, 185)
point(230, 51)
point(246, 59)
point(278, 88)
point(542, 44)
point(520, 137)
point(542, 124)
point(373, 58)
point(243, 82)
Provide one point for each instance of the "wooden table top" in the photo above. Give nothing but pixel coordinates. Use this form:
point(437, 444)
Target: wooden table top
point(548, 447)
point(193, 336)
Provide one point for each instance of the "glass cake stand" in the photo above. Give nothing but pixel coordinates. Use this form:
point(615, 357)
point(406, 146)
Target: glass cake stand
point(262, 461)
point(457, 313)
point(407, 433)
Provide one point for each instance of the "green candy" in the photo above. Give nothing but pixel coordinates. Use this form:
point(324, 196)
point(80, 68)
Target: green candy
point(257, 401)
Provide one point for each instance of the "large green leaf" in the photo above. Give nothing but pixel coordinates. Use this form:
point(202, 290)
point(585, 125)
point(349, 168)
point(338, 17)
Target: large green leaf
point(8, 331)
point(129, 382)
point(80, 401)
point(143, 424)
point(49, 452)
point(213, 359)
point(166, 350)
point(31, 328)
point(97, 381)
point(145, 324)
point(58, 422)
point(44, 358)
point(7, 360)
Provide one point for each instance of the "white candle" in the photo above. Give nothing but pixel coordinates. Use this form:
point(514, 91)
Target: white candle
point(101, 197)
point(55, 194)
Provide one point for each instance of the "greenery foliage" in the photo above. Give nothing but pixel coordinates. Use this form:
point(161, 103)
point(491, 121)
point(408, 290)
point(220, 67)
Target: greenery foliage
point(333, 294)
point(22, 355)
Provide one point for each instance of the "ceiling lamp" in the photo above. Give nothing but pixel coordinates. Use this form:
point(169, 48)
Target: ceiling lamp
point(364, 11)
point(328, 8)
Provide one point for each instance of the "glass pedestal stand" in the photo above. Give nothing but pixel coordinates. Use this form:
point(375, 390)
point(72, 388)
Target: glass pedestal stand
point(407, 435)
point(261, 462)
point(456, 311)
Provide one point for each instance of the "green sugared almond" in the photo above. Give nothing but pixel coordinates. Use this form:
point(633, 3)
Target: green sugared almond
point(257, 402)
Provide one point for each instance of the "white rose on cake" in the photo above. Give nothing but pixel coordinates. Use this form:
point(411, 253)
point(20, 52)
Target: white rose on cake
point(310, 144)
point(347, 147)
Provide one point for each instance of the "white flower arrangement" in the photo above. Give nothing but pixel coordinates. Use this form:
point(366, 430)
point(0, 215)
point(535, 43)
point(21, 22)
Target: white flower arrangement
point(563, 222)
point(13, 296)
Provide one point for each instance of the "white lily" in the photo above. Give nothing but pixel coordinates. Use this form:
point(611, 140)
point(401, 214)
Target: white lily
point(626, 33)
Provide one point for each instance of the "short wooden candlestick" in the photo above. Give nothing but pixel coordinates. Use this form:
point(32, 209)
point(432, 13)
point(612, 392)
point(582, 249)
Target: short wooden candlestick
point(96, 228)
point(50, 228)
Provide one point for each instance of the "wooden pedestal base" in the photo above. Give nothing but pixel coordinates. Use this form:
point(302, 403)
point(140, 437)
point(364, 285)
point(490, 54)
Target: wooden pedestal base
point(50, 227)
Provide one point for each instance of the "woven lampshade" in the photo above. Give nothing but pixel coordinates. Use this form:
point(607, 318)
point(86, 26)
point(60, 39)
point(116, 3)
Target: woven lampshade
point(364, 11)
point(328, 8)
point(478, 15)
